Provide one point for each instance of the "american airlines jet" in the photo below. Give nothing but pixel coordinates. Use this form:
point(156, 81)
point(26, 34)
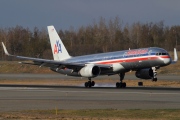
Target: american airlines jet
point(145, 61)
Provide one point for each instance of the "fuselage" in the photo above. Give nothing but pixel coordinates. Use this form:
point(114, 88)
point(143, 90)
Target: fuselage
point(134, 59)
point(151, 54)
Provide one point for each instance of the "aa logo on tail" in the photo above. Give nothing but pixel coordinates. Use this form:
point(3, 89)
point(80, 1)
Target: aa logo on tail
point(57, 47)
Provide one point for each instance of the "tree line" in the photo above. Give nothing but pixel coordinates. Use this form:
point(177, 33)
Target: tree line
point(101, 36)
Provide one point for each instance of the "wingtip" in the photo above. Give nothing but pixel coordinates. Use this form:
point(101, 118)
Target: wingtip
point(5, 50)
point(175, 56)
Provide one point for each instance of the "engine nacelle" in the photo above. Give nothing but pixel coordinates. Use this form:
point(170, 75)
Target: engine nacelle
point(145, 73)
point(90, 71)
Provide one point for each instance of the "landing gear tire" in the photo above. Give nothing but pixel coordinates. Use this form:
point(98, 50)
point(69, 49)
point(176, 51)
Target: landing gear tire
point(124, 85)
point(92, 83)
point(120, 85)
point(117, 85)
point(89, 84)
point(154, 79)
point(140, 83)
point(86, 84)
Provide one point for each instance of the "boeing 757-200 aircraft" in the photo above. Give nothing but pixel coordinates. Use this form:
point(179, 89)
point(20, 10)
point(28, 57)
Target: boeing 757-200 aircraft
point(145, 61)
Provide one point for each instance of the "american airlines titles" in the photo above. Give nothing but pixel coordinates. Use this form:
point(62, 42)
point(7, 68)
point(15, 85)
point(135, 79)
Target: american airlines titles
point(135, 52)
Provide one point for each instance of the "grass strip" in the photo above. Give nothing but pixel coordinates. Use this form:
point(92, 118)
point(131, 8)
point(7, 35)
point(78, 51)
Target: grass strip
point(96, 114)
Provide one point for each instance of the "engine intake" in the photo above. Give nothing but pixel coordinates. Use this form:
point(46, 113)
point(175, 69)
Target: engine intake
point(144, 73)
point(90, 71)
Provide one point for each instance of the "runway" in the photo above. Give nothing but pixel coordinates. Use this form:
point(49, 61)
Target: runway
point(64, 77)
point(73, 97)
point(42, 97)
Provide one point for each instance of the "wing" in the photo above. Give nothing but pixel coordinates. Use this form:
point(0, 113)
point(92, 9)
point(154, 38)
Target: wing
point(51, 63)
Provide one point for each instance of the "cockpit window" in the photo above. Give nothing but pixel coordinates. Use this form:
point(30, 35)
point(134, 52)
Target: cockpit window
point(161, 53)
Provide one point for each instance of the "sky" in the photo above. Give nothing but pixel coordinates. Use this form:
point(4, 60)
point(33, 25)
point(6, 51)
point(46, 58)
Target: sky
point(64, 14)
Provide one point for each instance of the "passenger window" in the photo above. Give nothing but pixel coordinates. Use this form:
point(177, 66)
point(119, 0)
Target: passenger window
point(157, 53)
point(160, 53)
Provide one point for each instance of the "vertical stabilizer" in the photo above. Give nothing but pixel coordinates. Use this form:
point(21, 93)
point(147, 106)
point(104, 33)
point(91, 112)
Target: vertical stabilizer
point(58, 49)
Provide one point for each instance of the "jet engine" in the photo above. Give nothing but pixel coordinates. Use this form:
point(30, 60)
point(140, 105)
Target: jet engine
point(144, 73)
point(90, 71)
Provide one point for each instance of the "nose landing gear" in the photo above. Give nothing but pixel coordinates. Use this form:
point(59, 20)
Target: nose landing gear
point(154, 79)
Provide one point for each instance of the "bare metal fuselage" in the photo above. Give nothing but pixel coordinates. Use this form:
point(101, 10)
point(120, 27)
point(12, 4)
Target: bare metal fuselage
point(134, 59)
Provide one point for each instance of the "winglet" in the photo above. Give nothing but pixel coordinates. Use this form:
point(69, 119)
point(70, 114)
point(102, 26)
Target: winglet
point(5, 50)
point(175, 56)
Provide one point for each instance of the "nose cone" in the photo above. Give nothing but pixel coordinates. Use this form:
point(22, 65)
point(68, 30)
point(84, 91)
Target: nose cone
point(167, 61)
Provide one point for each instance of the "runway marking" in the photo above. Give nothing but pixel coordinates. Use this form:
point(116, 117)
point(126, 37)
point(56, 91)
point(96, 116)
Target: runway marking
point(20, 88)
point(117, 92)
point(100, 92)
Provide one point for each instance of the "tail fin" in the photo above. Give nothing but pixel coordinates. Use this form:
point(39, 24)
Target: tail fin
point(58, 49)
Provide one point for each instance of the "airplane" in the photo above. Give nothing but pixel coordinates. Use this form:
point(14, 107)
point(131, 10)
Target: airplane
point(144, 61)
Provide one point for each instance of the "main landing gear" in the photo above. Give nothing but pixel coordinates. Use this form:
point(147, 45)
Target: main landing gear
point(121, 84)
point(89, 83)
